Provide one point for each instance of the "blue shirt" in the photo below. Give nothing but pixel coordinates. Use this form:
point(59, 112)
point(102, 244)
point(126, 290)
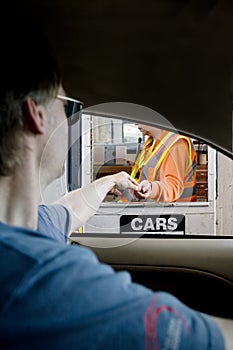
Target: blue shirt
point(55, 296)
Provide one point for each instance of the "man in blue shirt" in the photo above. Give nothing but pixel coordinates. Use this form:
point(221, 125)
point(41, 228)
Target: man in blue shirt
point(55, 296)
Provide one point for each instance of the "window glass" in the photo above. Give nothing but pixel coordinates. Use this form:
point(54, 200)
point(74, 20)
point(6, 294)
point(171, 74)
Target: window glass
point(111, 145)
point(131, 132)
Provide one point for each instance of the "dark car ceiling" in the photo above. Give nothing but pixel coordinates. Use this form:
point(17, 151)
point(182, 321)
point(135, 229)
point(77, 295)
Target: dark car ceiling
point(174, 57)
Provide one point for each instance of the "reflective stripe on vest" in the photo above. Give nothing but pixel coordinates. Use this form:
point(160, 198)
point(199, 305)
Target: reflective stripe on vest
point(149, 161)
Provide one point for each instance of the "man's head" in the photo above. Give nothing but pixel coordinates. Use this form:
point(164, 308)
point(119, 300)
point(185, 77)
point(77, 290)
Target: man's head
point(29, 77)
point(148, 130)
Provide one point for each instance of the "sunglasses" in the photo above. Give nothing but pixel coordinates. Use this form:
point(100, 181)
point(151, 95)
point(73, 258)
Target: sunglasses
point(73, 109)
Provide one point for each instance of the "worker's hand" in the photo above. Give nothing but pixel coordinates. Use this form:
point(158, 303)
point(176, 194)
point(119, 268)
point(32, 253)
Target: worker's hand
point(124, 181)
point(145, 189)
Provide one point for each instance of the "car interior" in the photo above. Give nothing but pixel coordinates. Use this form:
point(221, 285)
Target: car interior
point(163, 63)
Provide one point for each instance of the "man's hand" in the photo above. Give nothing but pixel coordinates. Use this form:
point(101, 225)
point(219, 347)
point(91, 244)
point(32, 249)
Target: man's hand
point(124, 181)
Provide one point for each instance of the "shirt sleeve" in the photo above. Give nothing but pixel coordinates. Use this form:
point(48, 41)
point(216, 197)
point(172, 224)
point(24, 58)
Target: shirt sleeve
point(55, 221)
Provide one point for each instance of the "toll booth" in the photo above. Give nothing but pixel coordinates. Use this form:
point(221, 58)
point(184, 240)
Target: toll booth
point(109, 145)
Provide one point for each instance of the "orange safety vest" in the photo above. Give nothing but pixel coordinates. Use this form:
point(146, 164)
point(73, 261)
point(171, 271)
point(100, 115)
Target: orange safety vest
point(149, 161)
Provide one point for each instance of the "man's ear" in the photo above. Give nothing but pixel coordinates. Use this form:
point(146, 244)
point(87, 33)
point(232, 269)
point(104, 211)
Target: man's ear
point(34, 116)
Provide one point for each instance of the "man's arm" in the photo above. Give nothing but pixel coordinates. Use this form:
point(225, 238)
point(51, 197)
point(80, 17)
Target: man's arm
point(84, 202)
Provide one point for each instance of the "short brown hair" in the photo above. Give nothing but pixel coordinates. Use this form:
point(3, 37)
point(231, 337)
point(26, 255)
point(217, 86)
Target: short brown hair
point(27, 69)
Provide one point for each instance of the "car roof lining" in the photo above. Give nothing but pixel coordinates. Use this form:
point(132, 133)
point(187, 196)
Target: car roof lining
point(174, 57)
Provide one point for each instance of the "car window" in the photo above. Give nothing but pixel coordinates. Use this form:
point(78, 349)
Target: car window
point(111, 144)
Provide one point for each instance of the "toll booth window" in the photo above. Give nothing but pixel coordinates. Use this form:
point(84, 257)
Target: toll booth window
point(201, 150)
point(131, 133)
point(117, 144)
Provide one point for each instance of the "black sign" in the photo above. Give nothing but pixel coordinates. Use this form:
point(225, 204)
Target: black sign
point(152, 224)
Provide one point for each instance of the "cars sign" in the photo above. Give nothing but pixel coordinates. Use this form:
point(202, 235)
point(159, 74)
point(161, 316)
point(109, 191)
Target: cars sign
point(152, 224)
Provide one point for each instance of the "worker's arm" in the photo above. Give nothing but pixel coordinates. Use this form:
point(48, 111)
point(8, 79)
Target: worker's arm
point(84, 202)
point(170, 185)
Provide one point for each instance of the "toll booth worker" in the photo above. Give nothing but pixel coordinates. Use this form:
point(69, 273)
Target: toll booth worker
point(55, 296)
point(165, 168)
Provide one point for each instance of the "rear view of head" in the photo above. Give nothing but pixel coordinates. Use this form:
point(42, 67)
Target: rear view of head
point(27, 69)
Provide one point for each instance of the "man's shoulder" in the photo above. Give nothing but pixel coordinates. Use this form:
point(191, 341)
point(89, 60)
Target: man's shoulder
point(55, 221)
point(52, 210)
